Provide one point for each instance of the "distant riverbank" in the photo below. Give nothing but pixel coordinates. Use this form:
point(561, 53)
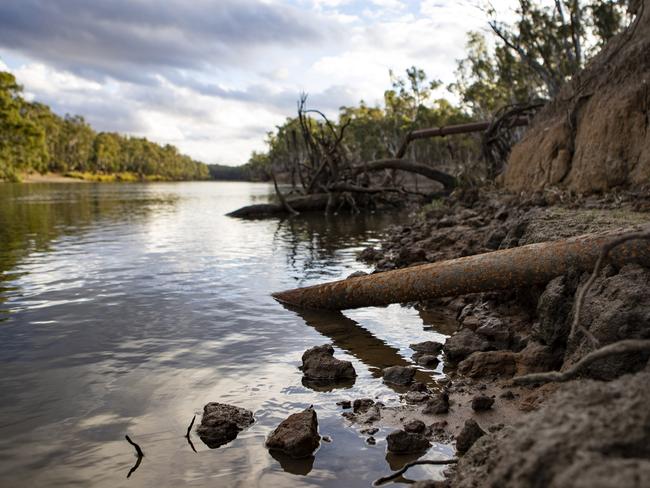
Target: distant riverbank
point(87, 177)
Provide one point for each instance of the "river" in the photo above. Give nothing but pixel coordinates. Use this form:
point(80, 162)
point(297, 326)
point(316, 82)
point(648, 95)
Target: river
point(124, 308)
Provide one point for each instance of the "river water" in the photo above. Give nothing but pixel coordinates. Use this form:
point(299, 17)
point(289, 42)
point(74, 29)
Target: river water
point(125, 308)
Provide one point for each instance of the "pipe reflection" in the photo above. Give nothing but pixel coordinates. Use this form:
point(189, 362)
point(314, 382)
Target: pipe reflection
point(348, 335)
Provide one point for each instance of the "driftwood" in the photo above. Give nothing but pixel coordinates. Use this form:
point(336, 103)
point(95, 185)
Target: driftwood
point(509, 268)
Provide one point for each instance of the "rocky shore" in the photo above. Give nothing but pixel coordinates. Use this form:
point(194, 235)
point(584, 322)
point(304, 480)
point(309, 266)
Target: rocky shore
point(538, 434)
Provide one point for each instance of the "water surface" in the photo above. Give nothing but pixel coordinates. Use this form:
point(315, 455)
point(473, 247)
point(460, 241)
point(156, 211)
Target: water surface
point(125, 308)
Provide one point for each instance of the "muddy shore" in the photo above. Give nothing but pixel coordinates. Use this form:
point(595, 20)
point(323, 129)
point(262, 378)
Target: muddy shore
point(533, 435)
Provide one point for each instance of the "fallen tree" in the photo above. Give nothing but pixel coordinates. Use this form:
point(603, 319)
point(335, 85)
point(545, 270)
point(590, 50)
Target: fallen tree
point(324, 179)
point(499, 270)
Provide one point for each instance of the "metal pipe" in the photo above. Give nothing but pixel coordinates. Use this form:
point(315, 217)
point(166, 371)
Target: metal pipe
point(499, 270)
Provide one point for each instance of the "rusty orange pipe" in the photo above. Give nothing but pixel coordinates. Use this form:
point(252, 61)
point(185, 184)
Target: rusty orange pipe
point(499, 270)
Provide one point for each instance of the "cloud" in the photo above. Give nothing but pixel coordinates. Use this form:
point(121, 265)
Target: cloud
point(213, 76)
point(126, 39)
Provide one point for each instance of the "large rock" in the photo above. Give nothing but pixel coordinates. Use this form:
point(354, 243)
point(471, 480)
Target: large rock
point(438, 405)
point(399, 375)
point(402, 442)
point(319, 364)
point(589, 434)
point(463, 343)
point(297, 435)
point(221, 423)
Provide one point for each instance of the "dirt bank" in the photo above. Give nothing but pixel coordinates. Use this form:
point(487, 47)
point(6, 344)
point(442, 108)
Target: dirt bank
point(594, 136)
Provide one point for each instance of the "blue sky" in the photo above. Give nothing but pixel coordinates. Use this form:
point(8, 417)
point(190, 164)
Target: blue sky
point(213, 76)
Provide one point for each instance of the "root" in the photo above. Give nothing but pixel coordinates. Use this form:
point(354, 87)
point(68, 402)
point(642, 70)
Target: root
point(616, 348)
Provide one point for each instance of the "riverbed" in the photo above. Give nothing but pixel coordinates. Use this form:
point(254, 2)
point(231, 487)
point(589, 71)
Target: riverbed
point(124, 308)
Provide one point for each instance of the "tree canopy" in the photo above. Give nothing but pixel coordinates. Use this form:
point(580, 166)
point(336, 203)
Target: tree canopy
point(33, 138)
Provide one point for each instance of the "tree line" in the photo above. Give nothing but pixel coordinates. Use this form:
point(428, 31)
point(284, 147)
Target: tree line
point(33, 138)
point(522, 62)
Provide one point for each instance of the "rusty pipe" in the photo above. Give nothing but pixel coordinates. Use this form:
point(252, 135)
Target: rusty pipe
point(499, 270)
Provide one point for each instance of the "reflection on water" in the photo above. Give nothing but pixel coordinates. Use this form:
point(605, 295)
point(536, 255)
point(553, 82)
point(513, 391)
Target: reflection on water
point(125, 308)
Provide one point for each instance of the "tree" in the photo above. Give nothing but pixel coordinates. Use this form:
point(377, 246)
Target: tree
point(548, 43)
point(22, 142)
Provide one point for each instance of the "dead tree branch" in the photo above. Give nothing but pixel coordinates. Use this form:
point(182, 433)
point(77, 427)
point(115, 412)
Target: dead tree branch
point(407, 466)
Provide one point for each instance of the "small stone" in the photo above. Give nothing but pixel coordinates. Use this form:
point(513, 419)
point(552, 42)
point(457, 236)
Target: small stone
point(370, 254)
point(427, 347)
point(357, 274)
point(470, 433)
point(415, 427)
point(319, 363)
point(345, 404)
point(221, 423)
point(361, 405)
point(399, 375)
point(428, 361)
point(297, 435)
point(416, 397)
point(370, 431)
point(481, 403)
point(463, 343)
point(430, 484)
point(439, 426)
point(417, 386)
point(402, 442)
point(371, 440)
point(437, 405)
point(508, 395)
point(326, 438)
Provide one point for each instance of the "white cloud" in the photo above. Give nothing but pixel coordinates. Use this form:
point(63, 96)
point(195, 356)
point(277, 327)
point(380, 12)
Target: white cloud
point(220, 111)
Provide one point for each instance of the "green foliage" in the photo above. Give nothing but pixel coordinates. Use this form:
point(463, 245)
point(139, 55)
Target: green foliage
point(377, 132)
point(546, 45)
point(33, 138)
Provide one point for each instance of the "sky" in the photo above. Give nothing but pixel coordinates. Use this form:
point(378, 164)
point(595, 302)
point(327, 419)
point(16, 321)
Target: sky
point(212, 77)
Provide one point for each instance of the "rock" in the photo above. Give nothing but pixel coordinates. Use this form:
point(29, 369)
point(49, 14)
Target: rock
point(319, 363)
point(345, 404)
point(370, 431)
point(489, 364)
point(221, 423)
point(361, 405)
point(494, 238)
point(416, 397)
point(415, 427)
point(438, 426)
point(427, 347)
point(297, 436)
point(357, 274)
point(428, 361)
point(463, 343)
point(553, 309)
point(536, 358)
point(481, 403)
point(402, 442)
point(399, 375)
point(495, 330)
point(371, 440)
point(588, 434)
point(507, 395)
point(438, 405)
point(417, 386)
point(370, 254)
point(470, 433)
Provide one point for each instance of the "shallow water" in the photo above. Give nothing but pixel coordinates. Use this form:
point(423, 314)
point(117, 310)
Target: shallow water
point(125, 308)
